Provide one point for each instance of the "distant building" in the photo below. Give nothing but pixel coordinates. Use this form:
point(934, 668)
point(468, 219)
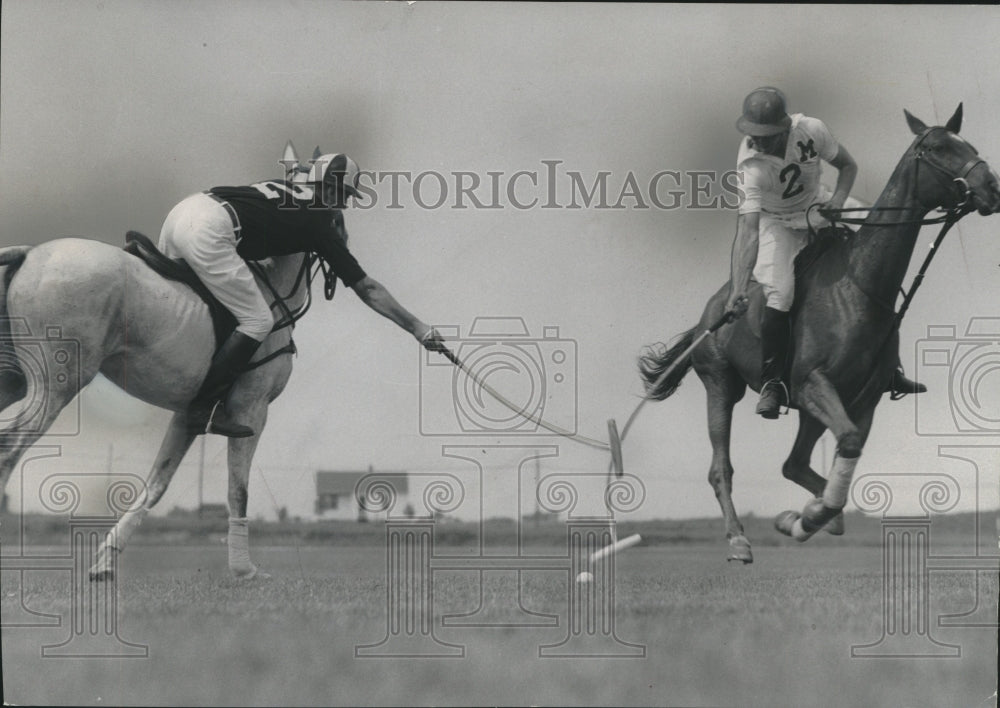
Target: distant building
point(336, 494)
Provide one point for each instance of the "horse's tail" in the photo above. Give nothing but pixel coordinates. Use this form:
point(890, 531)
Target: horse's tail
point(658, 358)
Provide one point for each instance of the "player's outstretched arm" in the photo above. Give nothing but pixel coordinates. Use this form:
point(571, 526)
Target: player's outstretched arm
point(375, 295)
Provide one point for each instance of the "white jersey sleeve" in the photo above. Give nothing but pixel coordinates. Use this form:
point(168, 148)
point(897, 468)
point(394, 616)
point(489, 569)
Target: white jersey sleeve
point(756, 183)
point(823, 141)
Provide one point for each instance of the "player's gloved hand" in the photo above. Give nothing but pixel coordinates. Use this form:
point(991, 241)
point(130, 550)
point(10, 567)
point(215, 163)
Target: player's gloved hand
point(737, 301)
point(738, 308)
point(830, 210)
point(432, 341)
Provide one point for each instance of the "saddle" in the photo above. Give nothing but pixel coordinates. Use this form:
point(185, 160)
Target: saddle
point(223, 321)
point(821, 242)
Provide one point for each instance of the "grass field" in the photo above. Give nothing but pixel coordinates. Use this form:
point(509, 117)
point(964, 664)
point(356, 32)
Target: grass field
point(775, 633)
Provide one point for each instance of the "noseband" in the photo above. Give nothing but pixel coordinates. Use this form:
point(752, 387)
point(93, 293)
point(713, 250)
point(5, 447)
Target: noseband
point(922, 155)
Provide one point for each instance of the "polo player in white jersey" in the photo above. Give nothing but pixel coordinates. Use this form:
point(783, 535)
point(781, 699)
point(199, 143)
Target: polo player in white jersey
point(780, 163)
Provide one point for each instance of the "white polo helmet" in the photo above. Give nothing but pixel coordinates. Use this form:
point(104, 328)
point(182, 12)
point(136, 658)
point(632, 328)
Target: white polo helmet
point(336, 168)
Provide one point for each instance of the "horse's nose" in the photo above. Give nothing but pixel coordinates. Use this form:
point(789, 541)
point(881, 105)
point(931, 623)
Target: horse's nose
point(994, 187)
point(993, 191)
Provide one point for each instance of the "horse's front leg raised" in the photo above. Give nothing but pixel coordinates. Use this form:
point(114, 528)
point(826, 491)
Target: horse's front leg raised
point(798, 469)
point(175, 445)
point(241, 452)
point(820, 399)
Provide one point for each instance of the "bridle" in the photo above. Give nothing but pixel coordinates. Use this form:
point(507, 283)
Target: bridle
point(922, 156)
point(312, 264)
point(948, 217)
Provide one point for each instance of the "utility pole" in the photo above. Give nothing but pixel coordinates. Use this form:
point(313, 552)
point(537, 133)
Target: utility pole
point(538, 475)
point(201, 472)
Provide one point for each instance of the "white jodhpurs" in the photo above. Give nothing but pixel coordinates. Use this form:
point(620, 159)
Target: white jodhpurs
point(201, 231)
point(780, 239)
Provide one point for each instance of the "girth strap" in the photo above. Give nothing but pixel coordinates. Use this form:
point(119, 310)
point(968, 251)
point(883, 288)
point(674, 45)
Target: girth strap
point(287, 349)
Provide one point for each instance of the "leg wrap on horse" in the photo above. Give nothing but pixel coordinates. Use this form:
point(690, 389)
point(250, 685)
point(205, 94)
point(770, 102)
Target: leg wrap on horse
point(839, 483)
point(118, 536)
point(239, 546)
point(820, 511)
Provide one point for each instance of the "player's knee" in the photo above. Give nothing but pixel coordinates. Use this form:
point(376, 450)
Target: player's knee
point(781, 299)
point(257, 326)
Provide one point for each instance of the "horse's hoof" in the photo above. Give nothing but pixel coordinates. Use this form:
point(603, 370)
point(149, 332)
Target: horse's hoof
point(249, 573)
point(784, 521)
point(739, 550)
point(102, 570)
point(835, 526)
point(102, 575)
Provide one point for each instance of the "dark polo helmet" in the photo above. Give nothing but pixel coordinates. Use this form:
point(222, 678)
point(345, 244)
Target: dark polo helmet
point(764, 113)
point(336, 169)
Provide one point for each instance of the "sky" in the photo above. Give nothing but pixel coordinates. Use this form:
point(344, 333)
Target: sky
point(113, 112)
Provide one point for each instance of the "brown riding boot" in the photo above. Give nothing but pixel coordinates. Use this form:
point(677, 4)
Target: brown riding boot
point(207, 412)
point(774, 335)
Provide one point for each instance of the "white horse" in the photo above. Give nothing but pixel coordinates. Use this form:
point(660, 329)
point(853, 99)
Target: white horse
point(90, 307)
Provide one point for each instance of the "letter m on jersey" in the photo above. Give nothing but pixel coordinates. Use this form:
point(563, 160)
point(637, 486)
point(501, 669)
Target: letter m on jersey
point(806, 150)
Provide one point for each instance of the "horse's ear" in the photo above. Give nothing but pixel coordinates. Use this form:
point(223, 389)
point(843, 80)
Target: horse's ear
point(916, 125)
point(289, 159)
point(316, 154)
point(954, 123)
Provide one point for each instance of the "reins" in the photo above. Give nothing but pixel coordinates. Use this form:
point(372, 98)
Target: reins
point(947, 218)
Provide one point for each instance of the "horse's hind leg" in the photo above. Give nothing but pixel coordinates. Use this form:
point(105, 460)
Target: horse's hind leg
point(46, 401)
point(175, 444)
point(723, 393)
point(798, 469)
point(13, 384)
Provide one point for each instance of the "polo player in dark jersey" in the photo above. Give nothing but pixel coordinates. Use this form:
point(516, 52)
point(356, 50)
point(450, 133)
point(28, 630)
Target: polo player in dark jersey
point(214, 231)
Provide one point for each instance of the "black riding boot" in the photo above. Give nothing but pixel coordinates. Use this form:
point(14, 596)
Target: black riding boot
point(774, 335)
point(900, 386)
point(207, 412)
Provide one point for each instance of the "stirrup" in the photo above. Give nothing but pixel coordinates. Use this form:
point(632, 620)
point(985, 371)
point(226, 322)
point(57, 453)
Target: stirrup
point(784, 398)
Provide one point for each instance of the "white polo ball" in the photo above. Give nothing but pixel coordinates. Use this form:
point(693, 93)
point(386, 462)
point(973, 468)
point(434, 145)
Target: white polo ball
point(585, 577)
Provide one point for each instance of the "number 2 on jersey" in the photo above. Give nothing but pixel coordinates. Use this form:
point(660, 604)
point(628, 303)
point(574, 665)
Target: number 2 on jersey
point(790, 178)
point(283, 190)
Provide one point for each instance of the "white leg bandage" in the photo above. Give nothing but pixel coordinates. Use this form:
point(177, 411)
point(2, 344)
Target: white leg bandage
point(128, 523)
point(839, 483)
point(239, 545)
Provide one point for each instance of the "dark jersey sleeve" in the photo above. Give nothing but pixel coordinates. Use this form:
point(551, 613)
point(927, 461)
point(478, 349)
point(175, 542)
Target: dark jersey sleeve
point(332, 247)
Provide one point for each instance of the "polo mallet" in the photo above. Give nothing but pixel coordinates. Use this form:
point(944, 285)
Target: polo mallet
point(616, 440)
point(614, 446)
